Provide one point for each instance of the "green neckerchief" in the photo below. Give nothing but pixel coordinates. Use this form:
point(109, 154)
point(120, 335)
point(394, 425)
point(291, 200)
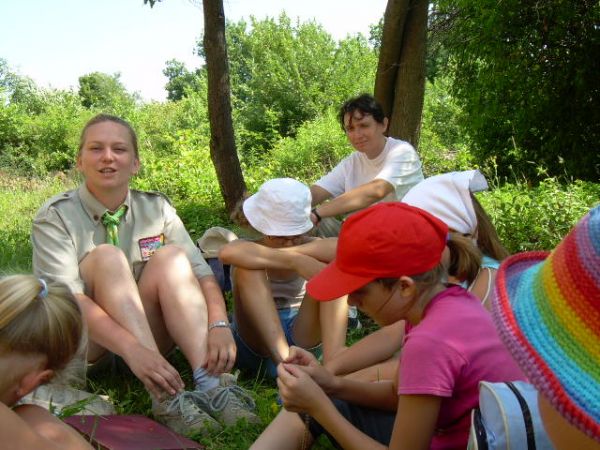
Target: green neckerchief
point(111, 222)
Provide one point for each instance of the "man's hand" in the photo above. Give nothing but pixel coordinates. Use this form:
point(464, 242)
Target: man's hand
point(159, 377)
point(221, 351)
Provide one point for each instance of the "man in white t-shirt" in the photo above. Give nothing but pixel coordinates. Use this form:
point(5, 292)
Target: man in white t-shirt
point(381, 169)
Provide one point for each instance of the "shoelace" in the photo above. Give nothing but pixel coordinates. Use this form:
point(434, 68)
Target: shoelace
point(178, 404)
point(227, 394)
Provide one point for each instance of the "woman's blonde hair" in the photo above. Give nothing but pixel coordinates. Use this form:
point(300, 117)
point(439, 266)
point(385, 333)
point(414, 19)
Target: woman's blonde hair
point(39, 318)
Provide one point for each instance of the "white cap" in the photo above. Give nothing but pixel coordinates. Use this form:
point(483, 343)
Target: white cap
point(281, 207)
point(446, 196)
point(213, 239)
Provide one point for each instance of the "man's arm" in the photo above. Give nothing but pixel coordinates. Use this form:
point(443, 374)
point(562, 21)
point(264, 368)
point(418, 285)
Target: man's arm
point(319, 195)
point(358, 198)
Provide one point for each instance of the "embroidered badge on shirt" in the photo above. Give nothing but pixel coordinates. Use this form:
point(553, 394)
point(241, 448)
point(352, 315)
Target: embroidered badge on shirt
point(150, 244)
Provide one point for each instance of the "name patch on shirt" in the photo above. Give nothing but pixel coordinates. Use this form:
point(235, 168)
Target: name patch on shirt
point(149, 245)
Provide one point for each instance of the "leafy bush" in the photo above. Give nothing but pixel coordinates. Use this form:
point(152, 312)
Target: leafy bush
point(318, 146)
point(300, 74)
point(20, 198)
point(526, 79)
point(36, 144)
point(444, 145)
point(538, 218)
point(188, 177)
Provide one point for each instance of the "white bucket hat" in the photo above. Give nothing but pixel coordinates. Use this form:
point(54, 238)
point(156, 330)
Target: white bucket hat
point(281, 207)
point(446, 196)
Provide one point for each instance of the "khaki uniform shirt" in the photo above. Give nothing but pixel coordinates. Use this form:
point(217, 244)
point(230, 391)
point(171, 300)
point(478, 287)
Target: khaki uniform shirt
point(69, 226)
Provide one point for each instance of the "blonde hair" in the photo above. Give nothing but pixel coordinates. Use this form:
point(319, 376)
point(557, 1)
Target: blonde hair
point(101, 118)
point(36, 318)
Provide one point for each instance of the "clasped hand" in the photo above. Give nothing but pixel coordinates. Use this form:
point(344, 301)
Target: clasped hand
point(303, 382)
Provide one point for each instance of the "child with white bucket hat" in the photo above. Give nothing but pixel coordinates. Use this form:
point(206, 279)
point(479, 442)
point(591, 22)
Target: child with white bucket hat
point(271, 308)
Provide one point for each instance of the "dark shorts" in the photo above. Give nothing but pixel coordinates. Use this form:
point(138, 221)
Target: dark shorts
point(250, 360)
point(375, 423)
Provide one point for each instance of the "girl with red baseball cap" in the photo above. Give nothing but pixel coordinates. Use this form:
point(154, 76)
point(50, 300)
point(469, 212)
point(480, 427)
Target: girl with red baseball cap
point(389, 260)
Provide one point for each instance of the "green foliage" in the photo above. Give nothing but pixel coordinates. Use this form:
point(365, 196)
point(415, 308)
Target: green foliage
point(538, 218)
point(19, 90)
point(45, 141)
point(20, 198)
point(301, 73)
point(182, 81)
point(524, 74)
point(318, 146)
point(105, 92)
point(443, 146)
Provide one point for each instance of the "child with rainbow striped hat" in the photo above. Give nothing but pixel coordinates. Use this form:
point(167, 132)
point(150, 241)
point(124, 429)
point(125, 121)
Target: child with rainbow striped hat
point(547, 310)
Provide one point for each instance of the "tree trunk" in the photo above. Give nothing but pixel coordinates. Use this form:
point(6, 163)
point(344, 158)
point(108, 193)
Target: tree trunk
point(389, 53)
point(222, 142)
point(400, 80)
point(405, 120)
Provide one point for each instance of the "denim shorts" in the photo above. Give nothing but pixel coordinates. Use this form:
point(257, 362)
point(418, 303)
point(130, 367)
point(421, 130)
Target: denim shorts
point(248, 359)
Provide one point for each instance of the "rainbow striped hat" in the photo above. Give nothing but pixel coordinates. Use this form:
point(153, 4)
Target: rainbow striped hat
point(547, 310)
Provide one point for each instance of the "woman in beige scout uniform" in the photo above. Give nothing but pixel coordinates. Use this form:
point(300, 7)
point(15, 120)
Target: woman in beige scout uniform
point(142, 285)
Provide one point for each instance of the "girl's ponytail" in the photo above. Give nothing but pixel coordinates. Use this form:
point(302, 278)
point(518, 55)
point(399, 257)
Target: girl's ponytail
point(465, 257)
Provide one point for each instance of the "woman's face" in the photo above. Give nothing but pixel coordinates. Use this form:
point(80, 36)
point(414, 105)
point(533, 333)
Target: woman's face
point(384, 305)
point(364, 133)
point(107, 158)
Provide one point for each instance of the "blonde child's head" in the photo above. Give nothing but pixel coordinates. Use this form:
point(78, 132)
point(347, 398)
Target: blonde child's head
point(40, 322)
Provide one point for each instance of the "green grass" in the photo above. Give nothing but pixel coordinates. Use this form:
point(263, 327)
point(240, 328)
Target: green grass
point(20, 198)
point(526, 218)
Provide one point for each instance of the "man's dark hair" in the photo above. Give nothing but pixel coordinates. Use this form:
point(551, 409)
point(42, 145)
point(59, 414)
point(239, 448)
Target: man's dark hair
point(365, 104)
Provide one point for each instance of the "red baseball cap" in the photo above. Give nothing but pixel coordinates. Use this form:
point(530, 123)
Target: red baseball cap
point(386, 240)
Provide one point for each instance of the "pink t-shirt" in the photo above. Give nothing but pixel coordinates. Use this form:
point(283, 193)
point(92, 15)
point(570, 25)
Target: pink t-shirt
point(452, 349)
